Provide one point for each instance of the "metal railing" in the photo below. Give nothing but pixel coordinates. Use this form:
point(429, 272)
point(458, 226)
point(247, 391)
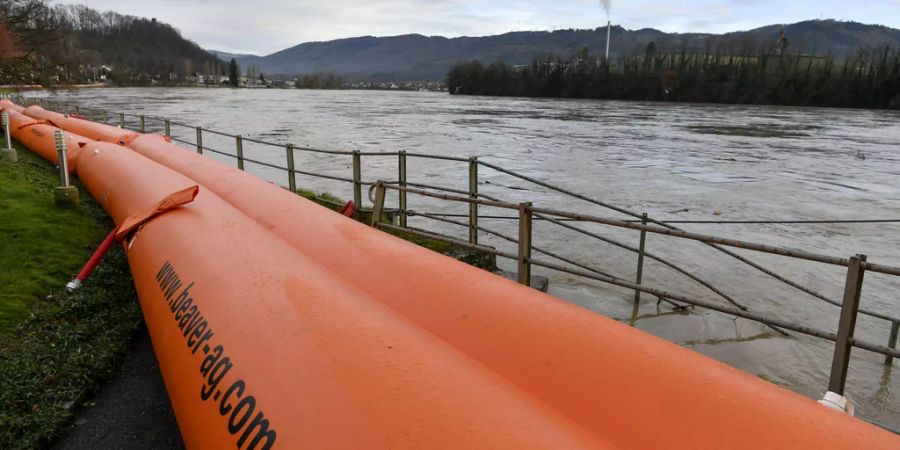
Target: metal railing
point(857, 266)
point(527, 214)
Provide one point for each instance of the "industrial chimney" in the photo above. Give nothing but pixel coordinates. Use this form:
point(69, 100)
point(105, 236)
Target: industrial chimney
point(608, 30)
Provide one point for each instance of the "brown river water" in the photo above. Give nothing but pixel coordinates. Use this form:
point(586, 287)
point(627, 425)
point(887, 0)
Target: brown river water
point(673, 161)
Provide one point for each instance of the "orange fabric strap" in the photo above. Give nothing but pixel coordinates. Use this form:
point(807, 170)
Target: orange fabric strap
point(169, 203)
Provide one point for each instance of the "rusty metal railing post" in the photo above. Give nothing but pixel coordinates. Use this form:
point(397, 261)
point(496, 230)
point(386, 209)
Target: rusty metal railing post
point(892, 341)
point(239, 149)
point(378, 207)
point(844, 343)
point(401, 195)
point(525, 243)
point(357, 179)
point(473, 194)
point(167, 128)
point(639, 276)
point(292, 177)
point(200, 140)
point(121, 120)
point(143, 128)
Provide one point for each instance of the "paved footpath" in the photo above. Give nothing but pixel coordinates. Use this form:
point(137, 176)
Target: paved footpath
point(131, 412)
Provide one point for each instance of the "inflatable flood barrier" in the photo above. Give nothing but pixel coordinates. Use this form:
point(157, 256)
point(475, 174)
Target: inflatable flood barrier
point(40, 138)
point(86, 128)
point(7, 105)
point(599, 383)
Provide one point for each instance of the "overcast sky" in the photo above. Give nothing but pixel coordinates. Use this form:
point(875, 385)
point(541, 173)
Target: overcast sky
point(266, 26)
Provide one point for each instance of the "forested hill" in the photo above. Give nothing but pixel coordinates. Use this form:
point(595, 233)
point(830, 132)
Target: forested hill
point(74, 44)
point(417, 57)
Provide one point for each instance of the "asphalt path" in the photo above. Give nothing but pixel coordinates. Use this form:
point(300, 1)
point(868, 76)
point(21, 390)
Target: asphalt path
point(131, 412)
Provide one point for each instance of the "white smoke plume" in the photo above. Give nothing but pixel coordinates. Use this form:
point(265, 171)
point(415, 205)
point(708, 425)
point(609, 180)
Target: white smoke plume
point(607, 5)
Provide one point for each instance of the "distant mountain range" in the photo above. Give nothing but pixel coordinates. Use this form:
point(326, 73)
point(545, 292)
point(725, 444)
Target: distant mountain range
point(416, 57)
point(225, 56)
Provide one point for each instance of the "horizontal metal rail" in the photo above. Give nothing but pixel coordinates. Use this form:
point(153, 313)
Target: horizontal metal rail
point(652, 256)
point(709, 222)
point(558, 221)
point(673, 266)
point(676, 233)
point(534, 247)
point(763, 248)
point(624, 211)
point(859, 343)
point(513, 240)
point(765, 320)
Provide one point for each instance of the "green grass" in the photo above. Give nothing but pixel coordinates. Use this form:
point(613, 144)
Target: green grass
point(56, 348)
point(323, 198)
point(43, 245)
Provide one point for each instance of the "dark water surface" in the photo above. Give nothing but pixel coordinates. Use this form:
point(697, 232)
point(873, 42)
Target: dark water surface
point(673, 161)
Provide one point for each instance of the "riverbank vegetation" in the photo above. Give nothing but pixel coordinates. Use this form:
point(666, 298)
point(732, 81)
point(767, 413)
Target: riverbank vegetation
point(869, 79)
point(56, 348)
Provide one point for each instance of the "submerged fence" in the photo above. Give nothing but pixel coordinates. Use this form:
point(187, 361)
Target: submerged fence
point(527, 214)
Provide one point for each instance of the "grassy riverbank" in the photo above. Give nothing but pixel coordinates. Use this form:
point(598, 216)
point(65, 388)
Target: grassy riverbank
point(56, 348)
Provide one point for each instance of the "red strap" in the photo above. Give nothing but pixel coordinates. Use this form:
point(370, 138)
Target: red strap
point(348, 209)
point(36, 122)
point(97, 256)
point(169, 203)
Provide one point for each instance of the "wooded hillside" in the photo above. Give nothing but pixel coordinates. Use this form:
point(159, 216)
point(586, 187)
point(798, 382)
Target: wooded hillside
point(70, 44)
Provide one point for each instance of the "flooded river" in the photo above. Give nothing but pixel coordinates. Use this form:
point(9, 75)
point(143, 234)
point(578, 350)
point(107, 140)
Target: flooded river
point(673, 161)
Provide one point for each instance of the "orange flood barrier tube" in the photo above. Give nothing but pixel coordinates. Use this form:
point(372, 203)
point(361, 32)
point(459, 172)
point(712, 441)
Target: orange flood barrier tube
point(260, 347)
point(7, 105)
point(608, 377)
point(18, 120)
point(40, 138)
point(86, 128)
